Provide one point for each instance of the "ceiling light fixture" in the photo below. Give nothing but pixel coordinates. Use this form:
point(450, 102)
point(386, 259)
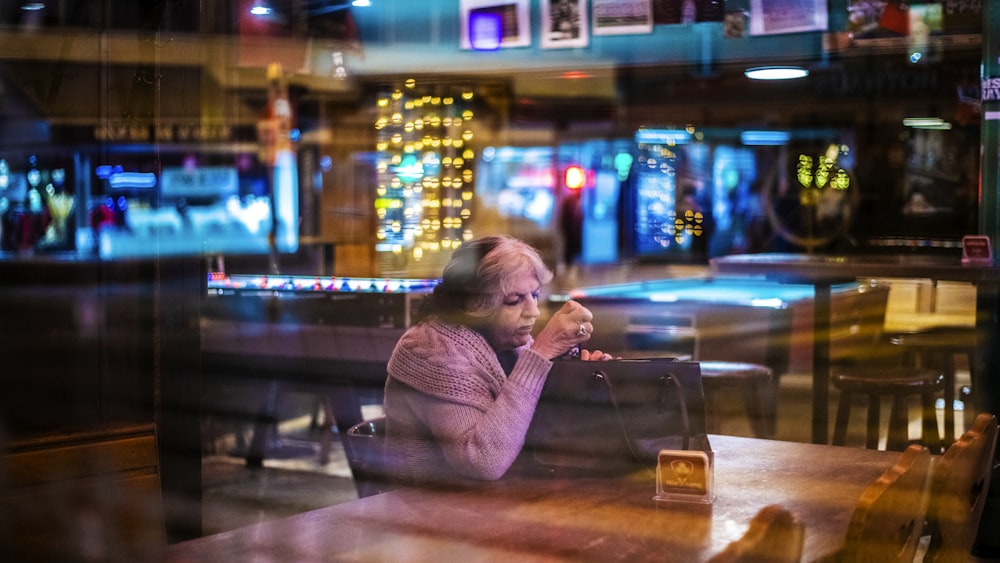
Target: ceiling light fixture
point(776, 73)
point(361, 3)
point(922, 121)
point(260, 8)
point(33, 6)
point(926, 123)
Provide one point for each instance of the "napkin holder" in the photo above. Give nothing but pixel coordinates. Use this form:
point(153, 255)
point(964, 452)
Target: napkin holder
point(685, 476)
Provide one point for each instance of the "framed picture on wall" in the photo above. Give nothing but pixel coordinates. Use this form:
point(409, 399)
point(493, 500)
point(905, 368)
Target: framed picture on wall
point(564, 24)
point(488, 25)
point(622, 17)
point(771, 17)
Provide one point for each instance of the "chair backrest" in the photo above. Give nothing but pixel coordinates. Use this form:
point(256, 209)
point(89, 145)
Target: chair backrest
point(774, 536)
point(672, 335)
point(86, 494)
point(958, 494)
point(888, 520)
point(856, 322)
point(365, 456)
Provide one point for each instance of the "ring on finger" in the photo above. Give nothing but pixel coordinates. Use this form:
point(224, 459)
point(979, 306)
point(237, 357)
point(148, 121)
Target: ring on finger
point(582, 331)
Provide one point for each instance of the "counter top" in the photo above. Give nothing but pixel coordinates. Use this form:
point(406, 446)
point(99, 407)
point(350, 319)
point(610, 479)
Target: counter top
point(836, 268)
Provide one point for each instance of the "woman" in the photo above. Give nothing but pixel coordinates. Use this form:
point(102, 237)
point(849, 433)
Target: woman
point(464, 380)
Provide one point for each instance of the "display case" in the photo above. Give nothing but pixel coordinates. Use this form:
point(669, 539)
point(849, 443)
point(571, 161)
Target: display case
point(53, 204)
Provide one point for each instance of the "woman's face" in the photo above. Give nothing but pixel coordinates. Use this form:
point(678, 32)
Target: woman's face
point(511, 325)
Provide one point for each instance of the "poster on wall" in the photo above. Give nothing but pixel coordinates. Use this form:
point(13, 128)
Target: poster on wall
point(488, 25)
point(564, 24)
point(771, 17)
point(622, 17)
point(689, 11)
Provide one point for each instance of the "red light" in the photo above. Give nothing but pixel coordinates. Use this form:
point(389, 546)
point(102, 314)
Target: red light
point(576, 177)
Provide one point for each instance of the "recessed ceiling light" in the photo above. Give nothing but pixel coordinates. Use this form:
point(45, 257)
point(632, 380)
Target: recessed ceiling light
point(776, 72)
point(926, 123)
point(260, 8)
point(922, 121)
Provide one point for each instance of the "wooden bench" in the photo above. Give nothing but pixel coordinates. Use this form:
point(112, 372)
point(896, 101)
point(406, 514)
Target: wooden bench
point(83, 494)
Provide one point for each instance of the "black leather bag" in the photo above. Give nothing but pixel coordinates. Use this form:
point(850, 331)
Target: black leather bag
point(615, 416)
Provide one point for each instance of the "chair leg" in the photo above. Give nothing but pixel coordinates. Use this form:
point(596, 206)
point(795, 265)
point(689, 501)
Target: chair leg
point(969, 393)
point(769, 412)
point(326, 430)
point(930, 436)
point(712, 411)
point(753, 399)
point(843, 414)
point(949, 398)
point(265, 423)
point(898, 421)
point(874, 413)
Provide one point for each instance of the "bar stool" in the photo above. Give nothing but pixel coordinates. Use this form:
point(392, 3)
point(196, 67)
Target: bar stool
point(752, 380)
point(897, 382)
point(937, 347)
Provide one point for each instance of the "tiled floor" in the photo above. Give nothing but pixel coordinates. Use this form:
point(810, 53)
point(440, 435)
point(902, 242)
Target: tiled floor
point(234, 495)
point(292, 479)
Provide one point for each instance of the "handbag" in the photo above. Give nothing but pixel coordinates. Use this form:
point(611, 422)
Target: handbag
point(615, 416)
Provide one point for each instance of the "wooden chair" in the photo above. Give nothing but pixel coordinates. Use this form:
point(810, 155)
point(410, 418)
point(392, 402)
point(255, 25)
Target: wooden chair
point(958, 494)
point(888, 521)
point(897, 382)
point(936, 348)
point(774, 536)
point(677, 336)
point(364, 448)
point(89, 494)
point(751, 380)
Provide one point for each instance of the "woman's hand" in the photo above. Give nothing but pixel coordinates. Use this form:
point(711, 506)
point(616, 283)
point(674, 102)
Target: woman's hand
point(595, 356)
point(570, 326)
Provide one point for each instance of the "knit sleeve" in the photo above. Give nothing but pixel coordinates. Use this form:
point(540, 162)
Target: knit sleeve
point(483, 444)
point(478, 429)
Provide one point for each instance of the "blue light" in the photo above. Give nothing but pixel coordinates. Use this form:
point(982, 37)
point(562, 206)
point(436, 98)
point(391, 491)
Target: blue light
point(411, 169)
point(765, 137)
point(132, 180)
point(485, 31)
point(662, 136)
point(104, 171)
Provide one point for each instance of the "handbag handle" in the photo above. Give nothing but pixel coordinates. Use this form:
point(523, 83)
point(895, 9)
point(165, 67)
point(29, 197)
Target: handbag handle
point(667, 382)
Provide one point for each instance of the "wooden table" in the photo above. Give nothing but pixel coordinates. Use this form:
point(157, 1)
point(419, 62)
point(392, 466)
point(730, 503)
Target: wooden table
point(599, 519)
point(824, 271)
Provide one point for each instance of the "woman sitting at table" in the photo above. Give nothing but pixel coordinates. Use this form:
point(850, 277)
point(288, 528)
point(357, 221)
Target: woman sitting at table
point(464, 380)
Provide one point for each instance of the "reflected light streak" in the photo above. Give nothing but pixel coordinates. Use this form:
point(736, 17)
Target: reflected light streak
point(776, 73)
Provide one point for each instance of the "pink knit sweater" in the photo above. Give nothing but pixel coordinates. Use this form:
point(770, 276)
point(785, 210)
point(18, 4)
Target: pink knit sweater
point(451, 412)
